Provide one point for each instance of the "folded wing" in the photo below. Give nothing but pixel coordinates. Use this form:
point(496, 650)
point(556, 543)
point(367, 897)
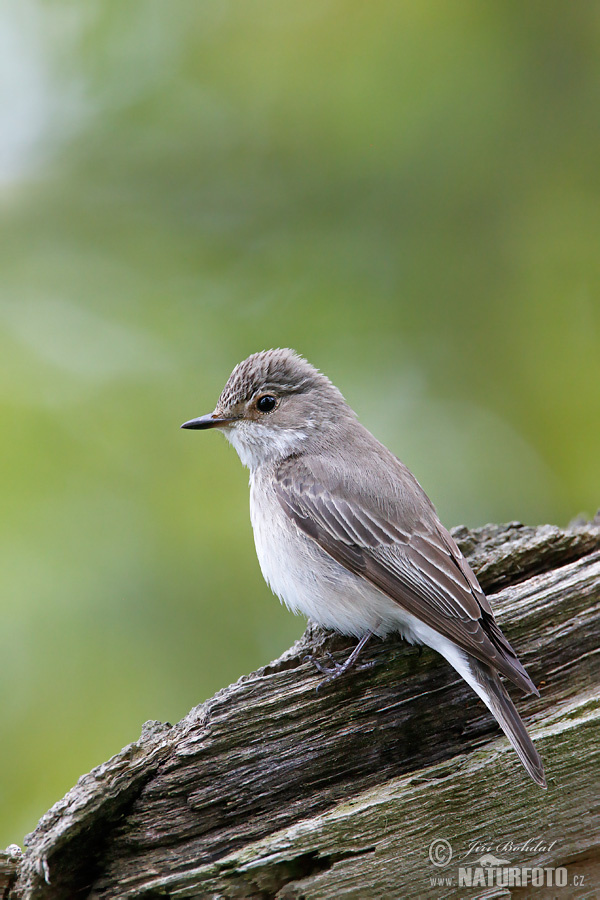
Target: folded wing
point(415, 562)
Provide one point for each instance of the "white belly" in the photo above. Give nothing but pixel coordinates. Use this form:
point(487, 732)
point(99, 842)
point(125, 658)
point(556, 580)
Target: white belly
point(311, 582)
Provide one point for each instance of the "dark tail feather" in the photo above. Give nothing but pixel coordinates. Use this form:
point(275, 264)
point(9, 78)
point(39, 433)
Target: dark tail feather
point(495, 696)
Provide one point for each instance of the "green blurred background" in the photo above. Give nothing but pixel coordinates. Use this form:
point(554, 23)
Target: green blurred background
point(408, 193)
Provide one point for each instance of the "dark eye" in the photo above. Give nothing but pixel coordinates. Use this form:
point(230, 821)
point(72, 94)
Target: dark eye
point(266, 404)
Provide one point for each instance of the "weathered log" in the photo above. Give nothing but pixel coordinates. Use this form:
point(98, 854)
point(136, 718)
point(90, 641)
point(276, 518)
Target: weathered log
point(273, 789)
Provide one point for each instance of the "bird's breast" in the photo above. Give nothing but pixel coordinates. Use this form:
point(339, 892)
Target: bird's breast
point(306, 578)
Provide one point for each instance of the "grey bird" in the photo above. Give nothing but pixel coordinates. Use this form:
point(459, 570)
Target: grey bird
point(345, 534)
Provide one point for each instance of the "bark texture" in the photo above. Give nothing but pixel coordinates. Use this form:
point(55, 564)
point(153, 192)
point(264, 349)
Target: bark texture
point(272, 789)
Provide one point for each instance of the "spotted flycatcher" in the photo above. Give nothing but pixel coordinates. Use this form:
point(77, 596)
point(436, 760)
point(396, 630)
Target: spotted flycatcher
point(345, 534)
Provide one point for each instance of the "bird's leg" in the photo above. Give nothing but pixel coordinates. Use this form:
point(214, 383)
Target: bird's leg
point(336, 669)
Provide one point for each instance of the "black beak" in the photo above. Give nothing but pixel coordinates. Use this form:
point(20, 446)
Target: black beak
point(212, 420)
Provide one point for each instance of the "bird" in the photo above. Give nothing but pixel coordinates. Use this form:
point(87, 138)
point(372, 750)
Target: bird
point(346, 535)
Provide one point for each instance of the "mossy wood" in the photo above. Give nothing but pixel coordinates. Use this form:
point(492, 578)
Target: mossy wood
point(273, 789)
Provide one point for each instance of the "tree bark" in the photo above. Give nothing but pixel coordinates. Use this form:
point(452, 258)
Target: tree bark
point(274, 789)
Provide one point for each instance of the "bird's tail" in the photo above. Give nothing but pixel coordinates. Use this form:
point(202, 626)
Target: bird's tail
point(487, 684)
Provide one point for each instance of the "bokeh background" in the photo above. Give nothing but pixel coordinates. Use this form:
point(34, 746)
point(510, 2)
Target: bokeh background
point(408, 193)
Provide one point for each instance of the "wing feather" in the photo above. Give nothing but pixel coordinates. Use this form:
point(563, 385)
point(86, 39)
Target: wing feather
point(419, 567)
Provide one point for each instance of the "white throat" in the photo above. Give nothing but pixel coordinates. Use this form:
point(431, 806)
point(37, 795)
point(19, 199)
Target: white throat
point(259, 444)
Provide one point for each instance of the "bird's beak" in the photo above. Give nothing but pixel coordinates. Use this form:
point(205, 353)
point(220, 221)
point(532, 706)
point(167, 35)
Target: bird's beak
point(212, 420)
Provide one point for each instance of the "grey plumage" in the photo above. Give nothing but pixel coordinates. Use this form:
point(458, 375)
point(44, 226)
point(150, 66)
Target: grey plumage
point(419, 566)
point(345, 533)
point(282, 370)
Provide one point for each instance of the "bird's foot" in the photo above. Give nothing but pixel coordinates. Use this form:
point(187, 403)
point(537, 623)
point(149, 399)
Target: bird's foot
point(336, 669)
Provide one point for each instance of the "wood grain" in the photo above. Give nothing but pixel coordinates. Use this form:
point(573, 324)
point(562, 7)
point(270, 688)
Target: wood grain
point(273, 789)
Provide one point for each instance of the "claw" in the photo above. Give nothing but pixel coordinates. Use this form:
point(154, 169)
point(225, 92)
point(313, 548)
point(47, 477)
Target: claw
point(336, 669)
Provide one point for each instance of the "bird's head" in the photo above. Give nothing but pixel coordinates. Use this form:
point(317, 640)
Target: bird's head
point(274, 402)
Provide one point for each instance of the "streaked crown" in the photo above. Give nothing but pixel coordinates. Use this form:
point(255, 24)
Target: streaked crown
point(281, 370)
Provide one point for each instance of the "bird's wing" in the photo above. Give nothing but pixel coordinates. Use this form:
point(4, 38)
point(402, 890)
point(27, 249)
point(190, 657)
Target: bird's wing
point(419, 566)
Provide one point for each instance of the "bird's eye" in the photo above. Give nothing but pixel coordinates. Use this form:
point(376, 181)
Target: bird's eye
point(266, 403)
